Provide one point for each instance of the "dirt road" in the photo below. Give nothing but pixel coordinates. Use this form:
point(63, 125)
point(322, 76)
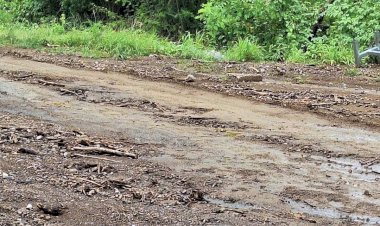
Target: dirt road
point(288, 162)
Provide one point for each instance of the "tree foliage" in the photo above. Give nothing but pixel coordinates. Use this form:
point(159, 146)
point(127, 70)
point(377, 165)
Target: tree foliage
point(169, 18)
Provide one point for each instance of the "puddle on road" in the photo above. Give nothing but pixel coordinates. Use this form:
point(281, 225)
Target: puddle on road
point(302, 207)
point(353, 168)
point(360, 195)
point(231, 205)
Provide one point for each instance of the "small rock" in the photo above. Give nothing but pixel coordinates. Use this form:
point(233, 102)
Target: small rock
point(73, 170)
point(280, 71)
point(366, 193)
point(247, 77)
point(155, 56)
point(92, 192)
point(251, 78)
point(7, 176)
point(190, 78)
point(54, 210)
point(29, 206)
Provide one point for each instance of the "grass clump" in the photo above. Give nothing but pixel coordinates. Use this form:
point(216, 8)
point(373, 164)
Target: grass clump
point(245, 50)
point(352, 72)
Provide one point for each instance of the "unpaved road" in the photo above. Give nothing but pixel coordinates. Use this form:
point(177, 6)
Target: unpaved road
point(260, 163)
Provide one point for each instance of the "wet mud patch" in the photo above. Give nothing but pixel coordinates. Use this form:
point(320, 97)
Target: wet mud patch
point(204, 122)
point(196, 110)
point(289, 144)
point(311, 195)
point(35, 78)
point(329, 205)
point(107, 96)
point(352, 168)
point(233, 205)
point(140, 104)
point(270, 139)
point(305, 208)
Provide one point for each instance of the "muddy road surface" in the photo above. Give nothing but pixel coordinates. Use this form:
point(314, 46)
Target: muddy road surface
point(214, 151)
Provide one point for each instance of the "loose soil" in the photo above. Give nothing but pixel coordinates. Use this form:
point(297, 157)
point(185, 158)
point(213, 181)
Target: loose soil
point(105, 142)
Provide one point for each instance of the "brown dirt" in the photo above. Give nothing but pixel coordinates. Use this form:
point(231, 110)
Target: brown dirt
point(300, 147)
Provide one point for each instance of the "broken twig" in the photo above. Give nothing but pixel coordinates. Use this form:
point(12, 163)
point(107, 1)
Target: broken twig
point(50, 83)
point(94, 157)
point(100, 151)
point(90, 181)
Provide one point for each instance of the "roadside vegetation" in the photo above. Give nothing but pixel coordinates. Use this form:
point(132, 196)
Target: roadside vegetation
point(318, 31)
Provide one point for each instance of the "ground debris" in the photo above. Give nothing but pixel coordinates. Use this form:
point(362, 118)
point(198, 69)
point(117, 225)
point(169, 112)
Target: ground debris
point(51, 209)
point(28, 151)
point(102, 151)
point(246, 77)
point(48, 83)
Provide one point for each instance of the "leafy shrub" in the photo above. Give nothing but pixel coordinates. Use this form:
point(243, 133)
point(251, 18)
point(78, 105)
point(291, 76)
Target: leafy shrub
point(284, 28)
point(330, 52)
point(350, 19)
point(170, 18)
point(269, 22)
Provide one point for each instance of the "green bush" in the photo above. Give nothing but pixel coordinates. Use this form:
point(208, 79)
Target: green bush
point(350, 19)
point(269, 22)
point(284, 28)
point(170, 18)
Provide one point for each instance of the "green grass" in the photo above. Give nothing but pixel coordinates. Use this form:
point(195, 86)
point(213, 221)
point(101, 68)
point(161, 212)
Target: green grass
point(352, 72)
point(323, 53)
point(99, 41)
point(245, 50)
